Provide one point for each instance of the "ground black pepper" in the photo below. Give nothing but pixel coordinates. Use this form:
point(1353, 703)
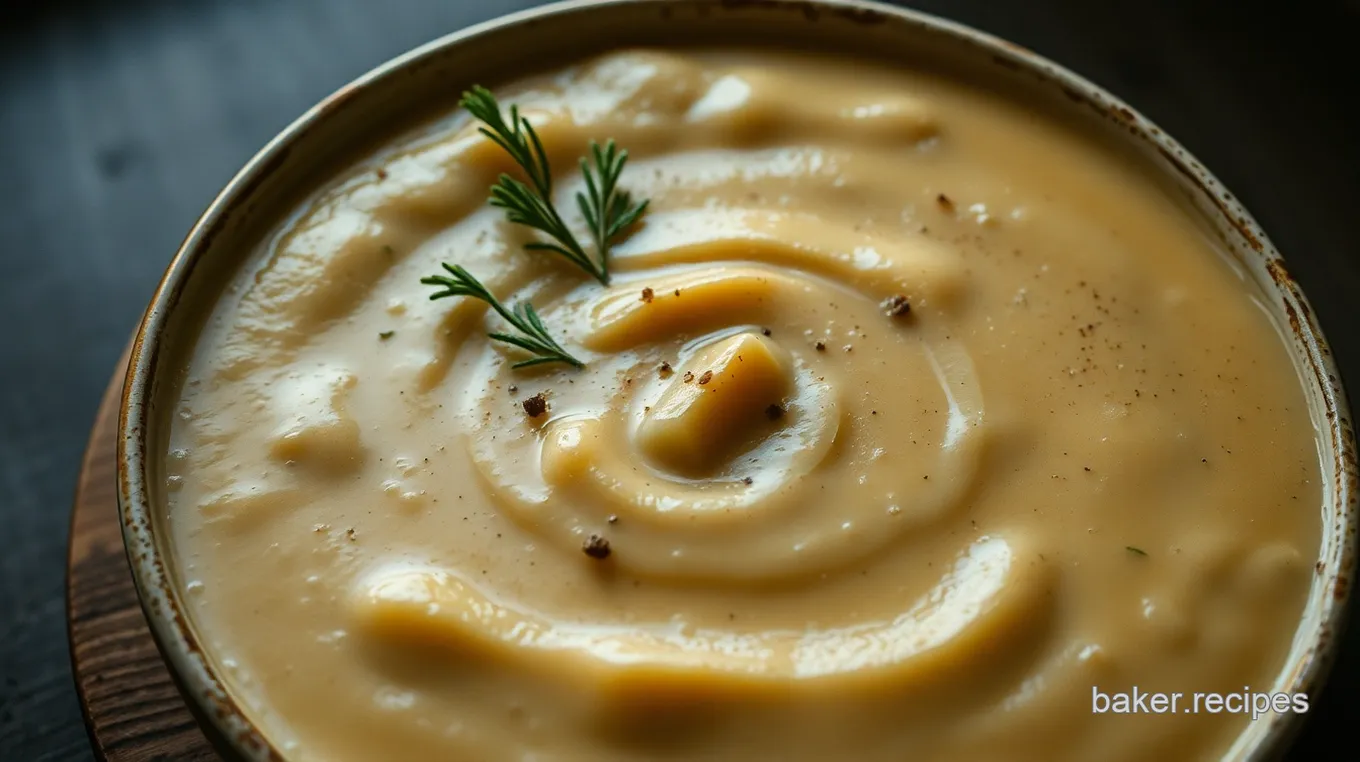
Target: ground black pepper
point(536, 405)
point(897, 305)
point(596, 547)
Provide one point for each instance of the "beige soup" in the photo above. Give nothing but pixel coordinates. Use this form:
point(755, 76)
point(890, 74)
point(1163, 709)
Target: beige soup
point(1081, 459)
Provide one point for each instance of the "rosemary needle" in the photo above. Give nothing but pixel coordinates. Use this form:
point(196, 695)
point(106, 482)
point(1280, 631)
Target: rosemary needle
point(533, 337)
point(608, 210)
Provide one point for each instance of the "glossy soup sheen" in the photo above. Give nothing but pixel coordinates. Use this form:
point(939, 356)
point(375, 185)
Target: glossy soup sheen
point(1081, 458)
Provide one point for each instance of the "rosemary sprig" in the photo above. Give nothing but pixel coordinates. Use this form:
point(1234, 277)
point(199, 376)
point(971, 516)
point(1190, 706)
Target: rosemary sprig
point(533, 337)
point(607, 209)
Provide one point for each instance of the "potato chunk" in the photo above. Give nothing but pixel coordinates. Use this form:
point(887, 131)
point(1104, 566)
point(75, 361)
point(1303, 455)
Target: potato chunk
point(713, 405)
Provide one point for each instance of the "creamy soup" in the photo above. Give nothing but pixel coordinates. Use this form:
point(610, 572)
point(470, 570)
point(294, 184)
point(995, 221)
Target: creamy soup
point(909, 417)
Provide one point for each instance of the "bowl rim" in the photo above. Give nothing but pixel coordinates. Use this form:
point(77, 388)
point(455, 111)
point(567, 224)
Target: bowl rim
point(229, 726)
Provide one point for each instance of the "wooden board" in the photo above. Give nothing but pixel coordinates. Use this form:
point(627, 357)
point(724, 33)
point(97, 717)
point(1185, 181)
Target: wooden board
point(132, 709)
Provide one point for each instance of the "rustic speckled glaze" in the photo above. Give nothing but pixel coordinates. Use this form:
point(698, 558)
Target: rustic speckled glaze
point(361, 112)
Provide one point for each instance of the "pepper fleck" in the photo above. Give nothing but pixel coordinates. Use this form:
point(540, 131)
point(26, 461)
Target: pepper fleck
point(708, 376)
point(385, 335)
point(945, 203)
point(647, 295)
point(665, 370)
point(896, 305)
point(688, 377)
point(536, 405)
point(596, 547)
point(820, 346)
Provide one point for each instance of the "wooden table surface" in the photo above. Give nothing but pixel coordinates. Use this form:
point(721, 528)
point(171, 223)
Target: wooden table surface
point(120, 119)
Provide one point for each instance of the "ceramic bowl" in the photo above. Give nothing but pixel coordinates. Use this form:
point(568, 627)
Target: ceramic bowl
point(330, 135)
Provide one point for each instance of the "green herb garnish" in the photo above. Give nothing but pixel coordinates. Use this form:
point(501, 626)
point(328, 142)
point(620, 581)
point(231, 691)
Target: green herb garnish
point(533, 337)
point(607, 209)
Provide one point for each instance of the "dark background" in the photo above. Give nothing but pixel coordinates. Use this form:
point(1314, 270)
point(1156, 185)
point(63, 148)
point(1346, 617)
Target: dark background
point(120, 119)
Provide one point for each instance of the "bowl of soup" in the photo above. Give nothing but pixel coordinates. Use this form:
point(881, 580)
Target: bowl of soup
point(821, 380)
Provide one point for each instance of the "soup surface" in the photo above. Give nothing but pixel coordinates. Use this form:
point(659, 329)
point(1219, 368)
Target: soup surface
point(908, 418)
